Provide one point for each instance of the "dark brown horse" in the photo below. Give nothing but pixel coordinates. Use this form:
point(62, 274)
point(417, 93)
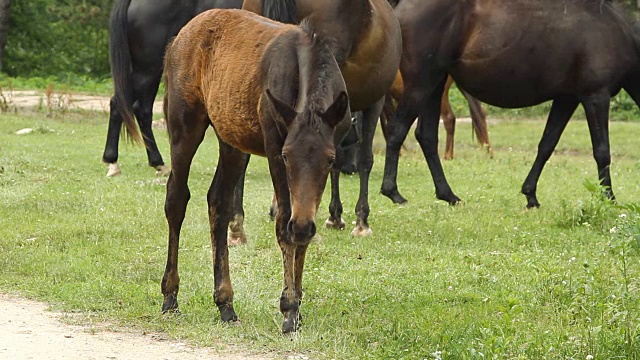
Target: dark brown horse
point(513, 53)
point(139, 33)
point(364, 37)
point(273, 90)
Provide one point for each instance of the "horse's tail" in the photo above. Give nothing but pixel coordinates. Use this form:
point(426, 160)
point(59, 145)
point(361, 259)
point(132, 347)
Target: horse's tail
point(120, 62)
point(284, 11)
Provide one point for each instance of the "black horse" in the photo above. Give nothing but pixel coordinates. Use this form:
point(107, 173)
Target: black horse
point(139, 33)
point(512, 54)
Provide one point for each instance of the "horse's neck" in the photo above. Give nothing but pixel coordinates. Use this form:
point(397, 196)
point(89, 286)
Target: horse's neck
point(341, 23)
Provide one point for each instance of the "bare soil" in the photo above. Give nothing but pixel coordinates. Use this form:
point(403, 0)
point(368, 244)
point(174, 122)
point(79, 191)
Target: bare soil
point(29, 331)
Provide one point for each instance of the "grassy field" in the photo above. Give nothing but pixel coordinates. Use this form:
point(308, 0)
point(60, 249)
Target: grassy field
point(486, 279)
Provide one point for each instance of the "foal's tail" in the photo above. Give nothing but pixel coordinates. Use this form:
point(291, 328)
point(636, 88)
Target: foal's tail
point(120, 62)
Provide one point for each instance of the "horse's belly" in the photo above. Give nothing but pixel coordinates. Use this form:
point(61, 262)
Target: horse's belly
point(242, 133)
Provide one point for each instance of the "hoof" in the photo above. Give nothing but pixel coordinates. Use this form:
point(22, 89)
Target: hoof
point(361, 231)
point(114, 170)
point(227, 314)
point(533, 204)
point(394, 195)
point(291, 325)
point(162, 170)
point(236, 240)
point(331, 224)
point(532, 201)
point(170, 303)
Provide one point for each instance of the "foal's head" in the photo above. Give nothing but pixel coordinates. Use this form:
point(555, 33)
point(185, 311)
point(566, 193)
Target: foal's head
point(308, 153)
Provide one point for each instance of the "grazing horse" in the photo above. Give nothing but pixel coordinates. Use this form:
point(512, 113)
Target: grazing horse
point(365, 39)
point(273, 90)
point(512, 54)
point(139, 33)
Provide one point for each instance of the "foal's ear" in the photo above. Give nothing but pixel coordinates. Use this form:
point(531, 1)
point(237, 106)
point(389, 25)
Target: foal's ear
point(286, 112)
point(337, 111)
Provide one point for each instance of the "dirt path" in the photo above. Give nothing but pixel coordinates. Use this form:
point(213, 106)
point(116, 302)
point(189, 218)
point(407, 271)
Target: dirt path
point(29, 331)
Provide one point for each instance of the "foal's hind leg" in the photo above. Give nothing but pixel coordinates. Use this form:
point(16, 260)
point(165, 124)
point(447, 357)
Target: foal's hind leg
point(236, 234)
point(365, 163)
point(146, 87)
point(231, 166)
point(561, 111)
point(187, 132)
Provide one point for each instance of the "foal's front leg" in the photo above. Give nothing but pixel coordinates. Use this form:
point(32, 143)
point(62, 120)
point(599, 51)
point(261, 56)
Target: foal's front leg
point(231, 166)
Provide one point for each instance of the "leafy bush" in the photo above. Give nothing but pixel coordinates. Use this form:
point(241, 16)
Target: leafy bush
point(58, 38)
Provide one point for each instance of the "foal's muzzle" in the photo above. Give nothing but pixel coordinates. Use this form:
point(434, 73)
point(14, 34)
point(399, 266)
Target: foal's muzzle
point(301, 232)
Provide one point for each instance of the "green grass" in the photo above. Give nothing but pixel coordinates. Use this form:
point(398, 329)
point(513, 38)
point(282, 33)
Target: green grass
point(486, 279)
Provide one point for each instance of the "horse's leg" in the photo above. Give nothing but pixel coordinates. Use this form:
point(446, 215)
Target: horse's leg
point(596, 109)
point(187, 131)
point(397, 129)
point(427, 136)
point(236, 234)
point(335, 220)
point(146, 87)
point(479, 121)
point(289, 299)
point(231, 166)
point(370, 118)
point(301, 250)
point(561, 111)
point(110, 155)
point(448, 119)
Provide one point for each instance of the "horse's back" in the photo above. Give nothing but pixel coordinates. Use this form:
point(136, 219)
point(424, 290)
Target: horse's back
point(377, 52)
point(214, 64)
point(542, 48)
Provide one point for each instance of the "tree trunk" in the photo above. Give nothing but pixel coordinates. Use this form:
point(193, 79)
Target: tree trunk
point(5, 6)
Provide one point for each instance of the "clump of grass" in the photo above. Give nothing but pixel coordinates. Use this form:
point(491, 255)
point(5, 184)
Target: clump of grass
point(597, 212)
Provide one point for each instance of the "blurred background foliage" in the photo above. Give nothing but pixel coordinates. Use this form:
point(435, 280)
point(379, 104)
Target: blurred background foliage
point(67, 41)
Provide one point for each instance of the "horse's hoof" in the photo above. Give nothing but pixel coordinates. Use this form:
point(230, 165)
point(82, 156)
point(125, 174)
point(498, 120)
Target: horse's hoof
point(170, 303)
point(394, 195)
point(227, 314)
point(331, 224)
point(236, 239)
point(290, 325)
point(450, 197)
point(162, 170)
point(361, 231)
point(114, 170)
point(533, 204)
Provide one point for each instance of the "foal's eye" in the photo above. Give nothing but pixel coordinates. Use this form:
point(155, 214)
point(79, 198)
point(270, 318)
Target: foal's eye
point(284, 158)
